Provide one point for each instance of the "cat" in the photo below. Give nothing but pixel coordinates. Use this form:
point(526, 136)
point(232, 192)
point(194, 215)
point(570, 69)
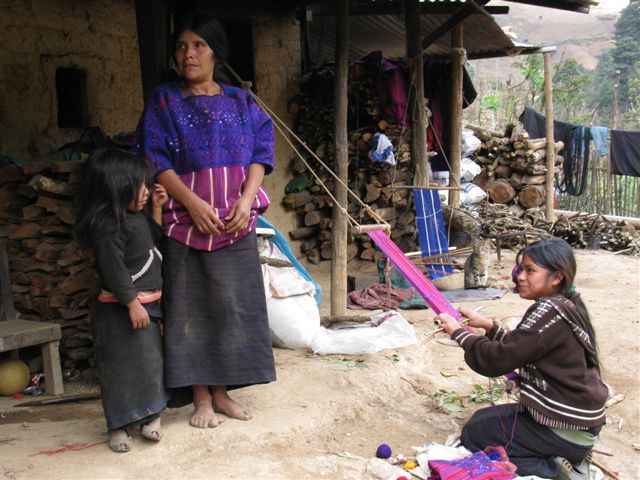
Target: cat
point(476, 267)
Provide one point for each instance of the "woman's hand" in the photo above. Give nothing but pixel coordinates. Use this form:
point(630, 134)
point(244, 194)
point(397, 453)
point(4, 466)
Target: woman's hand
point(238, 217)
point(159, 196)
point(448, 323)
point(137, 314)
point(203, 217)
point(476, 320)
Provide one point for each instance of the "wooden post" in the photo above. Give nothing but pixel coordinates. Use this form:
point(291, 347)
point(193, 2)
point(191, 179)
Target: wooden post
point(152, 23)
point(339, 231)
point(416, 92)
point(614, 125)
point(455, 138)
point(550, 153)
point(7, 309)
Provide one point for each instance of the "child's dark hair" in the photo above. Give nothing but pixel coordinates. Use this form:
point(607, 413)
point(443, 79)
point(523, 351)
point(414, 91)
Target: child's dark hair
point(211, 31)
point(556, 255)
point(112, 180)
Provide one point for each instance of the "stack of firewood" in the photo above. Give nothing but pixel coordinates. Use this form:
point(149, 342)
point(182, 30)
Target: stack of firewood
point(514, 167)
point(381, 186)
point(52, 280)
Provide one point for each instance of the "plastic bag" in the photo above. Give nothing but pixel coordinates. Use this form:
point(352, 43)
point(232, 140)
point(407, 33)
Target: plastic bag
point(471, 194)
point(382, 149)
point(470, 143)
point(393, 331)
point(469, 170)
point(294, 318)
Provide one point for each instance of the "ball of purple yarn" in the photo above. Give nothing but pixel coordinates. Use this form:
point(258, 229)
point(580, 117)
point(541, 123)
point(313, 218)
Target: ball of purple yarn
point(384, 451)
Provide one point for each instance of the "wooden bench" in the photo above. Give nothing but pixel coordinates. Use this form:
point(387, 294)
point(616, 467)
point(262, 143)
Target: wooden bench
point(16, 333)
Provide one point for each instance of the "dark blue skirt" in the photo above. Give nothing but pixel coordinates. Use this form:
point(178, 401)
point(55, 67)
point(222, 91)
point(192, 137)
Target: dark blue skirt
point(130, 366)
point(215, 316)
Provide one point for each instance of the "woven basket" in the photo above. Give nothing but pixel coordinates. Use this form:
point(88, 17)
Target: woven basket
point(449, 282)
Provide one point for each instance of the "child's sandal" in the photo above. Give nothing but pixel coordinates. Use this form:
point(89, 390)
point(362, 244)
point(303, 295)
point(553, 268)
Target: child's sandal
point(120, 445)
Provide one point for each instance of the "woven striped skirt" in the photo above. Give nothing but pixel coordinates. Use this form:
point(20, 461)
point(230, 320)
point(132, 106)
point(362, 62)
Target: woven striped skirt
point(216, 325)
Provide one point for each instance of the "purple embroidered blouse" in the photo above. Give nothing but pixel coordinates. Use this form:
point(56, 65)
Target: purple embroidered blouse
point(210, 142)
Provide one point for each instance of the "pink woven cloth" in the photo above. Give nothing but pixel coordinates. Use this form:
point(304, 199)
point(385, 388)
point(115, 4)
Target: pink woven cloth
point(475, 467)
point(414, 276)
point(378, 296)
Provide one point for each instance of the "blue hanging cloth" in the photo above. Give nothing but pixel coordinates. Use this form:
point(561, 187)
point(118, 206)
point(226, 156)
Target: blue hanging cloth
point(431, 231)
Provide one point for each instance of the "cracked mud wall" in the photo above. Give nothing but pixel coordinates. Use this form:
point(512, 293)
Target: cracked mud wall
point(38, 37)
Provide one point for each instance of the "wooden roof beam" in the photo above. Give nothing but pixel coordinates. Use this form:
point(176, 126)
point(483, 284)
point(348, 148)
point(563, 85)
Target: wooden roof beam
point(580, 7)
point(470, 7)
point(439, 8)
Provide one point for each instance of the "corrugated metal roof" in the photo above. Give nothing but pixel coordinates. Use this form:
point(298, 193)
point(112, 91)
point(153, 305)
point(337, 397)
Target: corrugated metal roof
point(482, 38)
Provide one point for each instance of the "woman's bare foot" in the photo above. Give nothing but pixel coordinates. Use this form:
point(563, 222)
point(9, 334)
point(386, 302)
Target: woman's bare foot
point(203, 415)
point(223, 403)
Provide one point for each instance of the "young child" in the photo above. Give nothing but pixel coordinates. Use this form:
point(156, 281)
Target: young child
point(113, 223)
point(552, 430)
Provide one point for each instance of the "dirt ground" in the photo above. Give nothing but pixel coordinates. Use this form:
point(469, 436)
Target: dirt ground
point(326, 415)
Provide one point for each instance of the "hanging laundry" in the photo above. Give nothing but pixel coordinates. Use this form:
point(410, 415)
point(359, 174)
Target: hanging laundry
point(389, 80)
point(625, 153)
point(600, 135)
point(575, 152)
point(382, 149)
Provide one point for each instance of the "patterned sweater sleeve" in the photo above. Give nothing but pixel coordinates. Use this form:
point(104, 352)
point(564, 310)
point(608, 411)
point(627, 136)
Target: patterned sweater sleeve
point(500, 352)
point(109, 251)
point(264, 141)
point(155, 136)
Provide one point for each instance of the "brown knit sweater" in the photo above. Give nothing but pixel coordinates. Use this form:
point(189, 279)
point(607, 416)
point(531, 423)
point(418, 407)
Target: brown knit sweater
point(559, 382)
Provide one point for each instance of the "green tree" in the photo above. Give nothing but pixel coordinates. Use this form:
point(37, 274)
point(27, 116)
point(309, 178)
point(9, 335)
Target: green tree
point(531, 70)
point(623, 57)
point(570, 83)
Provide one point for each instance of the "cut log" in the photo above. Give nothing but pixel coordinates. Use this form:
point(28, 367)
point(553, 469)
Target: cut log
point(26, 230)
point(532, 196)
point(534, 179)
point(482, 180)
point(483, 134)
point(67, 166)
point(501, 191)
point(302, 232)
point(50, 185)
point(313, 256)
point(297, 199)
point(502, 171)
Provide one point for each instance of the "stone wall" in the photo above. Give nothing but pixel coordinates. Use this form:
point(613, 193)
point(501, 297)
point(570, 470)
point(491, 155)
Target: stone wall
point(40, 36)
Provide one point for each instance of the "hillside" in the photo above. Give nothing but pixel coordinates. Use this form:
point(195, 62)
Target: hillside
point(579, 36)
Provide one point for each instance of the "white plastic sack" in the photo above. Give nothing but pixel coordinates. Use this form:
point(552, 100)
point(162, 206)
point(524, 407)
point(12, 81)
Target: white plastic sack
point(471, 194)
point(469, 170)
point(470, 143)
point(393, 332)
point(294, 318)
point(294, 321)
point(284, 281)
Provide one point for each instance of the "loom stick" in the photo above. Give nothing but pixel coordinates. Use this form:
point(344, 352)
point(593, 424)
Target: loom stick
point(74, 397)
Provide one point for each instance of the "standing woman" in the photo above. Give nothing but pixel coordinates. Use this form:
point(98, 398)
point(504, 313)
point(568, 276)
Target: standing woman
point(212, 145)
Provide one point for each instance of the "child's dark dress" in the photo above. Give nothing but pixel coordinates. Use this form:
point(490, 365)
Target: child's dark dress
point(129, 361)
